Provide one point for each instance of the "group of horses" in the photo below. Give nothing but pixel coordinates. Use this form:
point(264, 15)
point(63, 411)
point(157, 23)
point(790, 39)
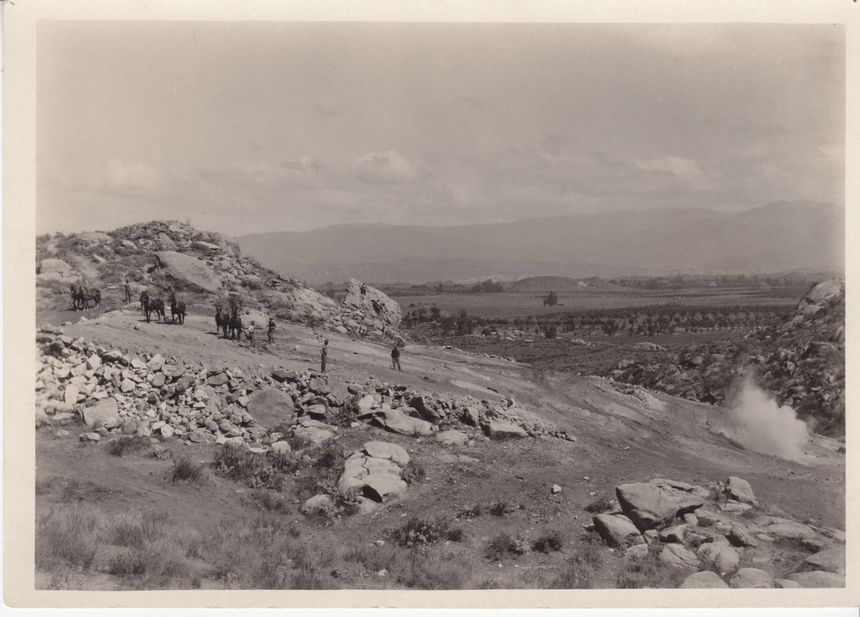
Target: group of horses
point(229, 322)
point(83, 296)
point(155, 304)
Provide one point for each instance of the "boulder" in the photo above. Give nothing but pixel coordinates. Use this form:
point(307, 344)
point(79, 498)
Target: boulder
point(315, 435)
point(90, 437)
point(271, 407)
point(366, 403)
point(219, 379)
point(647, 505)
point(155, 363)
point(194, 272)
point(197, 437)
point(281, 375)
point(830, 560)
point(617, 530)
point(703, 580)
point(676, 556)
point(784, 583)
point(318, 505)
point(786, 528)
point(751, 578)
point(281, 448)
point(385, 450)
point(720, 556)
point(389, 311)
point(675, 533)
point(500, 429)
point(104, 413)
point(397, 421)
point(452, 438)
point(70, 396)
point(740, 489)
point(817, 579)
point(739, 536)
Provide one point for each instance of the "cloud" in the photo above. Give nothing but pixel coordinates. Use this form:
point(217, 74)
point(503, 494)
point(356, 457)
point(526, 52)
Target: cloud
point(130, 178)
point(388, 167)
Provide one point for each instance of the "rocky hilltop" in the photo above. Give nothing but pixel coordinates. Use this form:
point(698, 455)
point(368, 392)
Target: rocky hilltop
point(203, 266)
point(801, 362)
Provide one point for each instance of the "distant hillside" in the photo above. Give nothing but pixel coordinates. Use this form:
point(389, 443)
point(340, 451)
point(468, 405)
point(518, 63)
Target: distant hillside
point(543, 284)
point(781, 236)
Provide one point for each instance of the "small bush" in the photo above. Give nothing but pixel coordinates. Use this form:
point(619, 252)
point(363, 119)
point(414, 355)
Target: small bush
point(600, 506)
point(548, 542)
point(500, 508)
point(413, 472)
point(420, 532)
point(473, 511)
point(648, 572)
point(127, 444)
point(579, 571)
point(455, 534)
point(271, 501)
point(185, 470)
point(504, 544)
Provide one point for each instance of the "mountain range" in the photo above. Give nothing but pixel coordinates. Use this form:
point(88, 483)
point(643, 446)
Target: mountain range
point(781, 236)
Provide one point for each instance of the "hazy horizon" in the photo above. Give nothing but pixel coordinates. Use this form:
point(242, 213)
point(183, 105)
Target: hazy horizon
point(248, 128)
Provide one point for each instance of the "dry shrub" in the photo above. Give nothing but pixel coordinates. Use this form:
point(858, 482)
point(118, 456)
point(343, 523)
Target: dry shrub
point(67, 537)
point(420, 532)
point(127, 444)
point(185, 470)
point(579, 571)
point(547, 542)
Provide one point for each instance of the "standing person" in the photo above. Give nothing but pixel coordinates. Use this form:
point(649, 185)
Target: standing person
point(323, 355)
point(127, 291)
point(250, 335)
point(364, 289)
point(395, 357)
point(270, 330)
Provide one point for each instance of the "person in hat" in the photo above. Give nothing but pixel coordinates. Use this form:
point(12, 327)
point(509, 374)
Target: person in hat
point(323, 356)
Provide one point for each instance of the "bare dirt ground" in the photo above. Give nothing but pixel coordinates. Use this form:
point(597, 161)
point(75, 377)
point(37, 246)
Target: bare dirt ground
point(619, 437)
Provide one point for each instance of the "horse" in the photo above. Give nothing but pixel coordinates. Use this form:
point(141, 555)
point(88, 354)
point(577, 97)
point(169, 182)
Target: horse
point(177, 309)
point(222, 321)
point(152, 305)
point(236, 327)
point(94, 295)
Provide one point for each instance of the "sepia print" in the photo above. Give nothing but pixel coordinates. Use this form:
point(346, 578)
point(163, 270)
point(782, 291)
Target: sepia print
point(404, 306)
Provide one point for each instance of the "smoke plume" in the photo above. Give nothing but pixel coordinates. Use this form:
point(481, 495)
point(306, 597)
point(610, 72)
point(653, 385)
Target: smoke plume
point(764, 426)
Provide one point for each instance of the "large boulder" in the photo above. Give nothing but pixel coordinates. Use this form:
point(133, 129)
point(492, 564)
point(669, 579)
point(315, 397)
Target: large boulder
point(676, 556)
point(704, 580)
point(647, 505)
point(500, 429)
point(368, 302)
point(194, 272)
point(751, 578)
point(452, 438)
point(817, 578)
point(830, 560)
point(104, 413)
point(385, 450)
point(397, 421)
point(740, 489)
point(617, 530)
point(719, 555)
point(271, 408)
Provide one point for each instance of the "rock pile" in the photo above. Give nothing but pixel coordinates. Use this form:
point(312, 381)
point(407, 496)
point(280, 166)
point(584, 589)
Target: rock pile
point(150, 395)
point(720, 536)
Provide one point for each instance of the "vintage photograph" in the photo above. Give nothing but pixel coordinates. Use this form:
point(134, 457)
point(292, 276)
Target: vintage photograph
point(439, 306)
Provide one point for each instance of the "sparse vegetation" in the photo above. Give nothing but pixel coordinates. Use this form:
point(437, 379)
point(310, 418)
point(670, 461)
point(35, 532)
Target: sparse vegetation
point(186, 470)
point(127, 444)
point(420, 532)
point(548, 542)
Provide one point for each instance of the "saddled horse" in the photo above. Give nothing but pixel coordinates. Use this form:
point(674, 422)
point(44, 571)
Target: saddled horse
point(222, 321)
point(93, 295)
point(177, 309)
point(152, 305)
point(236, 327)
point(77, 293)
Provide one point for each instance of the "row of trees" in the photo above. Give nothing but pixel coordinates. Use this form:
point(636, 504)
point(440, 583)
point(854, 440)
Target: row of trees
point(640, 321)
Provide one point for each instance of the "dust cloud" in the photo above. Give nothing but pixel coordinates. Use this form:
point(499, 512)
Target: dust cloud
point(762, 425)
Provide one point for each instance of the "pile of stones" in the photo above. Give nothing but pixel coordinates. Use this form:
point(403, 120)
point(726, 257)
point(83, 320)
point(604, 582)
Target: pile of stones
point(113, 392)
point(721, 536)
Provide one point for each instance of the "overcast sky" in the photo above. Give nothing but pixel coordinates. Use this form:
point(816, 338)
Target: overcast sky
point(258, 127)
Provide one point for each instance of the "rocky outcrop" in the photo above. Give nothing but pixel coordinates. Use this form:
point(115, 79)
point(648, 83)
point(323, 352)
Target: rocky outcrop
point(707, 530)
point(372, 303)
point(189, 272)
point(801, 362)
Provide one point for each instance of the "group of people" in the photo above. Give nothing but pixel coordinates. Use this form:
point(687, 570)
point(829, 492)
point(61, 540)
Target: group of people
point(395, 356)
